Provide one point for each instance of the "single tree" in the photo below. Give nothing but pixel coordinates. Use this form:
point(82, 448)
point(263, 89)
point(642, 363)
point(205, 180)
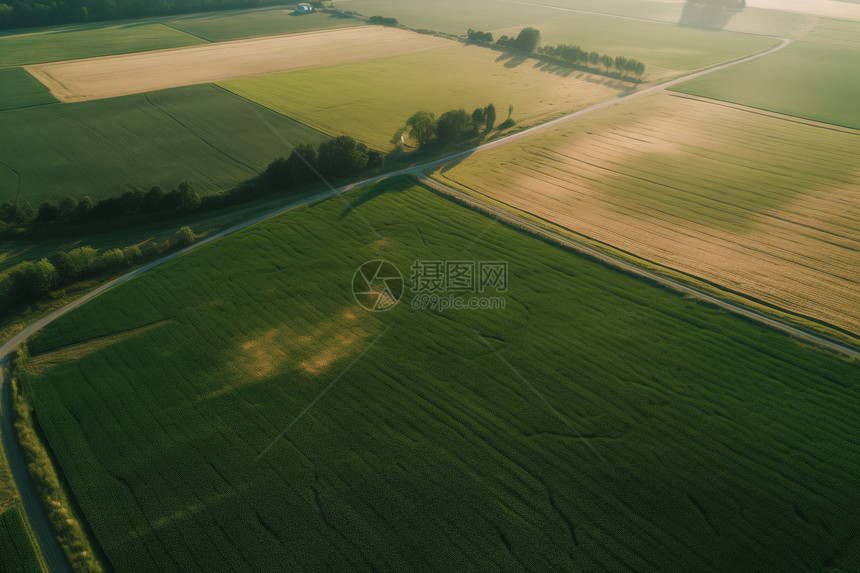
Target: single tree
point(189, 199)
point(620, 62)
point(184, 236)
point(606, 60)
point(83, 208)
point(422, 127)
point(302, 164)
point(527, 40)
point(31, 280)
point(342, 156)
point(479, 119)
point(453, 126)
point(594, 58)
point(490, 111)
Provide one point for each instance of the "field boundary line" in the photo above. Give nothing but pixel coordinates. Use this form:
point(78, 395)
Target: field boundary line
point(633, 269)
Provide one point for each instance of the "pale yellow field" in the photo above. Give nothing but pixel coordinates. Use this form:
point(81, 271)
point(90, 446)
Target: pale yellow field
point(112, 76)
point(764, 205)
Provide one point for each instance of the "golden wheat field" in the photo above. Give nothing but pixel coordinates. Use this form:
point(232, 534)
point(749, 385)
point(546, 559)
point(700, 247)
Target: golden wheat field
point(761, 204)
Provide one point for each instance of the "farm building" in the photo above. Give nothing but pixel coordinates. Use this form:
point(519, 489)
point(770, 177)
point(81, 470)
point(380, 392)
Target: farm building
point(304, 9)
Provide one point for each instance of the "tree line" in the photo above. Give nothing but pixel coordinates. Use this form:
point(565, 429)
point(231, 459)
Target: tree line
point(528, 41)
point(450, 127)
point(336, 157)
point(624, 67)
point(30, 281)
point(27, 13)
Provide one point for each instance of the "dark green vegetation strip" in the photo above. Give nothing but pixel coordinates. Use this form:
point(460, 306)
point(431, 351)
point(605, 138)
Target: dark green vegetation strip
point(16, 550)
point(721, 445)
point(20, 89)
point(72, 43)
point(815, 78)
point(103, 148)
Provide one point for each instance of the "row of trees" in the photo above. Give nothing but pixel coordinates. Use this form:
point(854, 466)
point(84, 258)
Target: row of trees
point(478, 36)
point(336, 157)
point(68, 210)
point(577, 56)
point(528, 39)
point(32, 280)
point(452, 126)
point(383, 21)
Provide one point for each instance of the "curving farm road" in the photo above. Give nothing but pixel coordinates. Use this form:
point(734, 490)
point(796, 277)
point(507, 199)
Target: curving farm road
point(49, 547)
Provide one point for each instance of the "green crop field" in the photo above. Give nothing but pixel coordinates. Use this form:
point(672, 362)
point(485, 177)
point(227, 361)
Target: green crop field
point(665, 48)
point(372, 100)
point(20, 89)
point(717, 444)
point(74, 42)
point(220, 27)
point(200, 133)
point(815, 78)
point(16, 549)
point(759, 204)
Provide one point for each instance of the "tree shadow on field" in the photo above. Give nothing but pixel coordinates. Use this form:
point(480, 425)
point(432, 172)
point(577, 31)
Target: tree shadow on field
point(709, 14)
point(584, 74)
point(395, 185)
point(511, 59)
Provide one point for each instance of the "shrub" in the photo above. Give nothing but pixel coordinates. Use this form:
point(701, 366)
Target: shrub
point(184, 236)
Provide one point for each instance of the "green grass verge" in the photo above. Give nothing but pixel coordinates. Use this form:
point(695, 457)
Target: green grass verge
point(20, 89)
point(815, 78)
point(16, 546)
point(67, 527)
point(220, 27)
point(74, 42)
point(432, 451)
point(372, 100)
point(200, 133)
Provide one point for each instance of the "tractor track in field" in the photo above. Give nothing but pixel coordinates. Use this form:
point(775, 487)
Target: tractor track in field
point(35, 512)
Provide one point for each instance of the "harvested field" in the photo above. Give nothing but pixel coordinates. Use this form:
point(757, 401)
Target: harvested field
point(754, 202)
point(113, 76)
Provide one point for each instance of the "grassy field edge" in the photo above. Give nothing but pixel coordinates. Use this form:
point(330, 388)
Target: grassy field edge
point(78, 547)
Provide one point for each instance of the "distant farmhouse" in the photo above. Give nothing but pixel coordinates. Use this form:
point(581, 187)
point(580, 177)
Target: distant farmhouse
point(304, 9)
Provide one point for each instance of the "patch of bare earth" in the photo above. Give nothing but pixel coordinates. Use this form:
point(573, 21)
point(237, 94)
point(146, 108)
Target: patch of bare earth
point(113, 76)
point(294, 348)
